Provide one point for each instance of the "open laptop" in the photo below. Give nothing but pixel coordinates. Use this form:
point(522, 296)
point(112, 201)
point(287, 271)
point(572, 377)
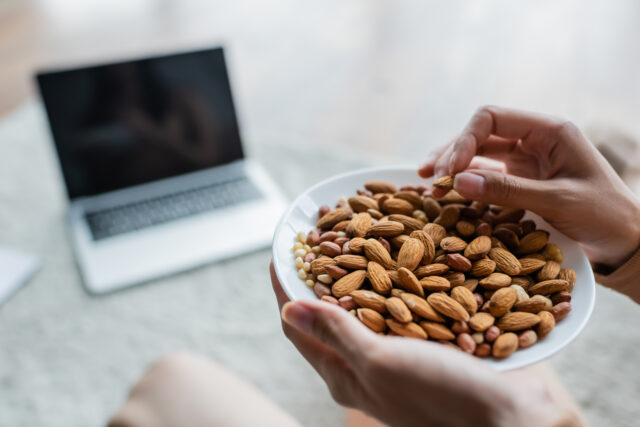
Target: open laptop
point(154, 168)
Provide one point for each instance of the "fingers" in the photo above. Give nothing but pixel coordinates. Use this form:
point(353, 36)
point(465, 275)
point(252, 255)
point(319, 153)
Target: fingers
point(281, 296)
point(427, 170)
point(503, 189)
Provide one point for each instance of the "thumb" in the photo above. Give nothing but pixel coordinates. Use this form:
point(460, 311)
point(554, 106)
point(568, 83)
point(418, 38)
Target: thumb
point(330, 324)
point(504, 189)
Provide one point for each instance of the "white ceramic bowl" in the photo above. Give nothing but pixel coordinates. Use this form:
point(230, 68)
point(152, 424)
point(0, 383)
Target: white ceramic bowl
point(302, 216)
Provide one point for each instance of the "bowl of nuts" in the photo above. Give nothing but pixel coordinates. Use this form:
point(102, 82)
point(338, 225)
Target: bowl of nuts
point(493, 281)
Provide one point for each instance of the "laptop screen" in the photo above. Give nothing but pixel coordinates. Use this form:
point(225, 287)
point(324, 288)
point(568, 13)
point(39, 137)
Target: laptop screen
point(129, 123)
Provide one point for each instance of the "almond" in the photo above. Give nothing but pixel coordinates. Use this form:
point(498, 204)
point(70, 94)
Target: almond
point(527, 339)
point(447, 306)
point(379, 278)
point(353, 262)
point(448, 217)
point(335, 272)
point(427, 242)
point(466, 299)
point(548, 287)
point(421, 307)
point(349, 283)
point(453, 244)
point(397, 206)
point(524, 281)
point(356, 245)
point(437, 331)
point(501, 301)
point(437, 233)
point(371, 319)
point(435, 283)
point(376, 252)
point(561, 310)
point(380, 187)
point(444, 182)
point(522, 294)
point(410, 330)
point(411, 197)
point(458, 262)
point(330, 249)
point(411, 254)
point(398, 241)
point(455, 278)
point(569, 275)
point(410, 223)
point(533, 242)
point(470, 284)
point(530, 265)
point(481, 321)
point(483, 267)
point(398, 309)
point(535, 304)
point(362, 203)
point(547, 323)
point(552, 252)
point(505, 345)
point(369, 299)
point(495, 281)
point(359, 225)
point(431, 270)
point(386, 229)
point(518, 321)
point(318, 264)
point(465, 228)
point(505, 261)
point(409, 282)
point(549, 272)
point(431, 207)
point(332, 218)
point(478, 247)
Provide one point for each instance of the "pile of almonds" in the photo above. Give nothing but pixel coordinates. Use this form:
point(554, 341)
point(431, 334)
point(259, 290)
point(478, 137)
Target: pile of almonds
point(459, 272)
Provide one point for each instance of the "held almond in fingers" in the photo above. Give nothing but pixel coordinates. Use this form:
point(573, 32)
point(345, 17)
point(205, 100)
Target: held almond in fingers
point(447, 306)
point(411, 254)
point(547, 323)
point(478, 247)
point(437, 331)
point(369, 299)
point(518, 321)
point(481, 321)
point(435, 283)
point(379, 278)
point(421, 307)
point(444, 182)
point(376, 252)
point(410, 330)
point(548, 287)
point(349, 283)
point(398, 309)
point(505, 345)
point(505, 261)
point(466, 299)
point(332, 218)
point(501, 301)
point(409, 282)
point(371, 319)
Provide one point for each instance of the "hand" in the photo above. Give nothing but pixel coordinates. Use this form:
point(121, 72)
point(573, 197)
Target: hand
point(409, 382)
point(552, 170)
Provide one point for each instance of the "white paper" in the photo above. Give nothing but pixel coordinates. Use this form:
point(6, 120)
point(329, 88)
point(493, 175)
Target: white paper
point(16, 268)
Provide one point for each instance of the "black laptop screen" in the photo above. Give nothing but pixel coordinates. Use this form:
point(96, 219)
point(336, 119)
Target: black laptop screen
point(124, 124)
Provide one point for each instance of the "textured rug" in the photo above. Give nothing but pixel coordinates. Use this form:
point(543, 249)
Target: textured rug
point(67, 359)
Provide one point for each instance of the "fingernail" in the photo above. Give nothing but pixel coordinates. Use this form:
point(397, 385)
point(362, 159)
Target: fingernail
point(469, 184)
point(297, 315)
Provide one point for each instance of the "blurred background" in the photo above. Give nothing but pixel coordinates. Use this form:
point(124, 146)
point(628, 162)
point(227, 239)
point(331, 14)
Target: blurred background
point(320, 87)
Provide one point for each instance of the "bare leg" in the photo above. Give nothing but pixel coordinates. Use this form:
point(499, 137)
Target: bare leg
point(188, 390)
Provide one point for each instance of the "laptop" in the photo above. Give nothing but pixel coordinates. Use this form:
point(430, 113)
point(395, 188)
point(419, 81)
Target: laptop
point(154, 168)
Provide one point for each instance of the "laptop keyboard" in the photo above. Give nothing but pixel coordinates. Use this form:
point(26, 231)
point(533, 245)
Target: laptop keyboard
point(147, 213)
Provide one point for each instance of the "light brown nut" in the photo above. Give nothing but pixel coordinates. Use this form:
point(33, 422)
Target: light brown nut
point(356, 245)
point(369, 299)
point(495, 281)
point(560, 311)
point(332, 218)
point(362, 203)
point(491, 334)
point(524, 281)
point(547, 323)
point(478, 337)
point(550, 271)
point(484, 229)
point(444, 182)
point(560, 297)
point(466, 343)
point(409, 282)
point(470, 284)
point(496, 243)
point(466, 299)
point(427, 242)
point(410, 330)
point(509, 215)
point(320, 289)
point(398, 241)
point(453, 244)
point(483, 350)
point(437, 331)
point(527, 339)
point(435, 283)
point(410, 223)
point(483, 267)
point(552, 252)
point(386, 229)
point(436, 231)
point(458, 262)
point(341, 226)
point(352, 262)
point(449, 216)
point(505, 261)
point(335, 272)
point(421, 307)
point(481, 321)
point(431, 270)
point(330, 249)
point(522, 294)
point(534, 304)
point(359, 225)
point(410, 196)
point(530, 265)
point(548, 287)
point(570, 276)
point(372, 319)
point(460, 327)
point(398, 309)
point(502, 301)
point(533, 242)
point(465, 228)
point(517, 321)
point(313, 238)
point(478, 247)
point(375, 251)
point(395, 292)
point(380, 187)
point(505, 345)
point(318, 264)
point(375, 213)
point(397, 206)
point(329, 299)
point(379, 278)
point(431, 207)
point(455, 278)
point(507, 236)
point(411, 254)
point(349, 283)
point(447, 306)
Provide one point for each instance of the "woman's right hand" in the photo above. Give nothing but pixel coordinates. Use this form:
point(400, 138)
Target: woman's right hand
point(552, 170)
